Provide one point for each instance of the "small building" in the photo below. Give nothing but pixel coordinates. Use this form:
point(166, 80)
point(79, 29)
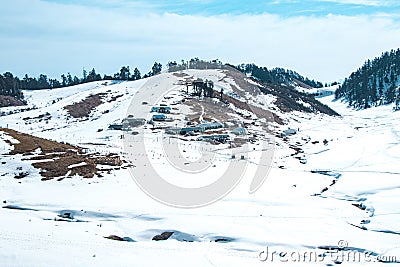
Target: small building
point(220, 138)
point(187, 130)
point(323, 93)
point(173, 130)
point(130, 122)
point(159, 117)
point(210, 126)
point(288, 132)
point(239, 131)
point(115, 126)
point(161, 109)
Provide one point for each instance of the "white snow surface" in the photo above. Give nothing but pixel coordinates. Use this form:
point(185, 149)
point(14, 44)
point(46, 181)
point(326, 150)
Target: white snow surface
point(289, 214)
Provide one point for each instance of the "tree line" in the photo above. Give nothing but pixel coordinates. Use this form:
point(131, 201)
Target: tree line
point(376, 83)
point(276, 76)
point(11, 85)
point(194, 63)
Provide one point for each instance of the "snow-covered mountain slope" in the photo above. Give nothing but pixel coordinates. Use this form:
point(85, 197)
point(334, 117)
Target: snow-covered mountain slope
point(332, 189)
point(48, 117)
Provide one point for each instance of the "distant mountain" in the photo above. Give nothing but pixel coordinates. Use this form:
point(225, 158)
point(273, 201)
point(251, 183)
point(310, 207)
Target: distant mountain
point(376, 83)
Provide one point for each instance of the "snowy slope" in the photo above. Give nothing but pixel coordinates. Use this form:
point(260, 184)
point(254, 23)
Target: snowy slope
point(297, 210)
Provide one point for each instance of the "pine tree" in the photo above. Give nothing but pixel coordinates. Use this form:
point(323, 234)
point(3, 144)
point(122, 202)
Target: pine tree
point(43, 82)
point(84, 73)
point(136, 74)
point(93, 76)
point(64, 81)
point(76, 80)
point(397, 101)
point(374, 83)
point(124, 73)
point(156, 69)
point(70, 81)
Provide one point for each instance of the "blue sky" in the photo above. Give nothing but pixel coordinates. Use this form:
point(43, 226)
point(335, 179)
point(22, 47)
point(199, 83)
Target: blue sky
point(281, 7)
point(322, 39)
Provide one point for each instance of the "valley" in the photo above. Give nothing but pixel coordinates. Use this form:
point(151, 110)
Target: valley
point(311, 180)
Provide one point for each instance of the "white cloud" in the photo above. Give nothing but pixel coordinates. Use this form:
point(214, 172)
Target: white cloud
point(364, 2)
point(55, 39)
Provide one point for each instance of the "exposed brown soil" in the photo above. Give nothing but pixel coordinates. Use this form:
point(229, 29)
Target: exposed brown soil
point(57, 159)
point(240, 80)
point(238, 142)
point(289, 99)
point(212, 110)
point(83, 108)
point(163, 236)
point(29, 143)
point(259, 112)
point(9, 101)
point(220, 111)
point(114, 237)
point(180, 74)
point(303, 84)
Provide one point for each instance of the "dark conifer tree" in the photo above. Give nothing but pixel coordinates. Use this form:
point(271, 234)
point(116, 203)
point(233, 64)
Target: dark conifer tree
point(136, 74)
point(375, 83)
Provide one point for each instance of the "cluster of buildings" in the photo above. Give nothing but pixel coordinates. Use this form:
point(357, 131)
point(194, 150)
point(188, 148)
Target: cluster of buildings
point(203, 131)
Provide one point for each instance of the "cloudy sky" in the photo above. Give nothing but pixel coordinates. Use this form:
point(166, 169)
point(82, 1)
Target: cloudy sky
point(322, 39)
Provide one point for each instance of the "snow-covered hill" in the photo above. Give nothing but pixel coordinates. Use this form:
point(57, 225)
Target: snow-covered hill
point(332, 189)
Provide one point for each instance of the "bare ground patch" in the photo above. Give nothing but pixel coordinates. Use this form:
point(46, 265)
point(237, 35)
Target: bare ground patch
point(83, 108)
point(180, 74)
point(29, 143)
point(217, 110)
point(259, 112)
point(59, 160)
point(8, 101)
point(212, 110)
point(240, 80)
point(288, 99)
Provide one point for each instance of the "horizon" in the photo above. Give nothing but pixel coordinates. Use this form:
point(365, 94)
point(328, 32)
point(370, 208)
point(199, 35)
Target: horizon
point(324, 40)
